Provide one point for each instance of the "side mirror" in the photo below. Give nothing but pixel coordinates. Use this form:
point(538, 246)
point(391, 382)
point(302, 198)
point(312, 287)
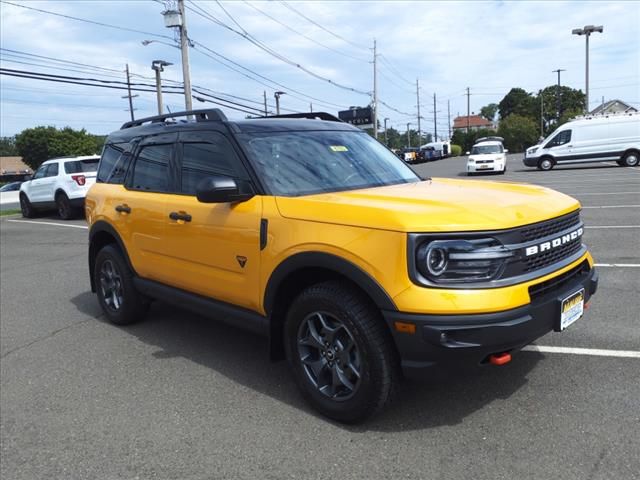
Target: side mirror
point(468, 153)
point(222, 189)
point(506, 151)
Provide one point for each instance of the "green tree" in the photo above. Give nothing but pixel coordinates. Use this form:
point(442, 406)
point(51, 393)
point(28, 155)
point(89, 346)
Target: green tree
point(571, 101)
point(519, 132)
point(8, 147)
point(35, 145)
point(489, 111)
point(518, 102)
point(466, 140)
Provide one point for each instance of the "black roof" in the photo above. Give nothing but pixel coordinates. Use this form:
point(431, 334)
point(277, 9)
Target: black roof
point(204, 118)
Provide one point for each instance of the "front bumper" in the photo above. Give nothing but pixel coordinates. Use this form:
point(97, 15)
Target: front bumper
point(530, 161)
point(488, 167)
point(440, 339)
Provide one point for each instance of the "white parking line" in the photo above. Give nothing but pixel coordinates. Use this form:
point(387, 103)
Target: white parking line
point(607, 227)
point(582, 351)
point(577, 194)
point(618, 265)
point(84, 227)
point(614, 206)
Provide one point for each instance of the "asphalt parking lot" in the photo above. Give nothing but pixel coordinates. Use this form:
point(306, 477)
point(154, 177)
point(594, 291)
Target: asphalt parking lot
point(182, 397)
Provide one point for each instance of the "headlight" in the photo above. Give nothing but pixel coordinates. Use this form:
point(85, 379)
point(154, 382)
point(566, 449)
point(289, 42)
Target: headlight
point(532, 150)
point(460, 261)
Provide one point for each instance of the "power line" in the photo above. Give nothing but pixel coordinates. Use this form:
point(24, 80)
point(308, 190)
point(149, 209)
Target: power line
point(387, 63)
point(305, 36)
point(202, 12)
point(323, 28)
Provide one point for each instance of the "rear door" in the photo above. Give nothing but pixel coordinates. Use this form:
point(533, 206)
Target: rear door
point(216, 252)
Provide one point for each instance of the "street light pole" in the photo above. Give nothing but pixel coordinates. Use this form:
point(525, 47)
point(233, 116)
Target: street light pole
point(277, 96)
point(558, 94)
point(587, 31)
point(408, 135)
point(158, 65)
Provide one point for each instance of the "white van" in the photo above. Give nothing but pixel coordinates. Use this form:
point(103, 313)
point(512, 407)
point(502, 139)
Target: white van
point(592, 138)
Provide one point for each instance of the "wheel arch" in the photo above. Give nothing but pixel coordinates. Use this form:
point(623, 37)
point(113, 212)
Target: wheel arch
point(303, 270)
point(102, 234)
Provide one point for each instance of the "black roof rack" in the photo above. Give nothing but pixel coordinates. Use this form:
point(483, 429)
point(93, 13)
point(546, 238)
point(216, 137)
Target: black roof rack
point(309, 115)
point(212, 115)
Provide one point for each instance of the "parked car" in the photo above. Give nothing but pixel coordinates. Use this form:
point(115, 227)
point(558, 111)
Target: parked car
point(11, 187)
point(591, 138)
point(487, 156)
point(411, 155)
point(430, 154)
point(315, 235)
point(59, 184)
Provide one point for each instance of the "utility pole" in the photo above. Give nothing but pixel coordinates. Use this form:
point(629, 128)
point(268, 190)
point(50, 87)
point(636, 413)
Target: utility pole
point(449, 117)
point(468, 124)
point(386, 140)
point(418, 99)
point(277, 97)
point(408, 135)
point(184, 48)
point(375, 90)
point(264, 94)
point(435, 123)
point(311, 107)
point(129, 96)
point(558, 93)
point(158, 66)
point(541, 114)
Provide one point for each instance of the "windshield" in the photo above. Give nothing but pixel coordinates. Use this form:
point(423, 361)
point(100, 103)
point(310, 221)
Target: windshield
point(303, 163)
point(484, 149)
point(82, 166)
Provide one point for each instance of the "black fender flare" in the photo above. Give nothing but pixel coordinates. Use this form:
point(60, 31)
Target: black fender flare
point(96, 228)
point(325, 261)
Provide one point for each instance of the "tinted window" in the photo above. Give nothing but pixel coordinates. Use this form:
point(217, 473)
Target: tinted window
point(52, 170)
point(151, 170)
point(486, 149)
point(114, 163)
point(81, 166)
point(40, 172)
point(200, 160)
point(560, 139)
point(300, 163)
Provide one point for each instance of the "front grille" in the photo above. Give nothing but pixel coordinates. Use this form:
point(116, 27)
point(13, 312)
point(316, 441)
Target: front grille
point(544, 229)
point(484, 161)
point(552, 256)
point(540, 289)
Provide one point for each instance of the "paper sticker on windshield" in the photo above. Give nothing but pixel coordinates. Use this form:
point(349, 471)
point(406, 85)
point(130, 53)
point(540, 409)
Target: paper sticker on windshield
point(338, 148)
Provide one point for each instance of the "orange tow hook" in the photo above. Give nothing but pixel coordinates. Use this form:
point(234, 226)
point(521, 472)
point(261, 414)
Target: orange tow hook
point(500, 358)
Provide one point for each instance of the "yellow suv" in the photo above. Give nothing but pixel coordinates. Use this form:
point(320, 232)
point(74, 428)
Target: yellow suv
point(308, 231)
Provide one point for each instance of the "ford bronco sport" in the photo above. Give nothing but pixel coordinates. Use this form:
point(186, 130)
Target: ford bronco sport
point(310, 232)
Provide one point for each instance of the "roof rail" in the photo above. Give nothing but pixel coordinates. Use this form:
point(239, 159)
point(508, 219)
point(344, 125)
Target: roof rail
point(212, 115)
point(309, 115)
point(489, 139)
point(590, 116)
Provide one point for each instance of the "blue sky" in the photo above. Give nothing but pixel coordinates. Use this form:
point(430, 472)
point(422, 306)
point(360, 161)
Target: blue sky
point(486, 46)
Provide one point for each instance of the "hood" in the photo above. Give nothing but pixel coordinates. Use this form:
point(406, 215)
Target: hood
point(437, 205)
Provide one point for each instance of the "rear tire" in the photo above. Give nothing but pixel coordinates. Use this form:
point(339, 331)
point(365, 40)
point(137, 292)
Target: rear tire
point(65, 210)
point(340, 352)
point(118, 297)
point(545, 164)
point(25, 206)
point(631, 159)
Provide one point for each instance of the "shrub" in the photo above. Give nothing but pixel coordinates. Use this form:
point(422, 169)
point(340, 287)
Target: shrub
point(456, 150)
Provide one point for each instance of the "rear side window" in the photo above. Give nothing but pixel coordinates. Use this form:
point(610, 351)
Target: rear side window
point(200, 160)
point(151, 170)
point(114, 163)
point(81, 166)
point(560, 139)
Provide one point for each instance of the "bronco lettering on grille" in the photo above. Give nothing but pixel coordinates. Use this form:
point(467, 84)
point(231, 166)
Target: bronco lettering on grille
point(556, 242)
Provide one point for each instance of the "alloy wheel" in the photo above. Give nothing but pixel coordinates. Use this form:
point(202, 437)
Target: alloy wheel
point(111, 286)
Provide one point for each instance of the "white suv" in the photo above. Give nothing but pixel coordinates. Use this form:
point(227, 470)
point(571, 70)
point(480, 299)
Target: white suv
point(60, 183)
point(487, 155)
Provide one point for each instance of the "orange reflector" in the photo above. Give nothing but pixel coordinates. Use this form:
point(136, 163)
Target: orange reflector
point(586, 306)
point(404, 327)
point(500, 358)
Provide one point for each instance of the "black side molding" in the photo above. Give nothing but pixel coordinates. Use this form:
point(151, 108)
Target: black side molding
point(207, 307)
point(264, 228)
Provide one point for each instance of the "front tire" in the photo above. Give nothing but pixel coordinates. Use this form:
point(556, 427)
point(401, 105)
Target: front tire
point(118, 297)
point(545, 164)
point(25, 207)
point(341, 354)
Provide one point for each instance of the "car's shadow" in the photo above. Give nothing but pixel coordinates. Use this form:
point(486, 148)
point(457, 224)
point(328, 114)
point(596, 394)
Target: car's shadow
point(443, 397)
point(566, 168)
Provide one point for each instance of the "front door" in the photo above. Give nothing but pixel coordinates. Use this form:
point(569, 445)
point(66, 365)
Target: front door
point(216, 252)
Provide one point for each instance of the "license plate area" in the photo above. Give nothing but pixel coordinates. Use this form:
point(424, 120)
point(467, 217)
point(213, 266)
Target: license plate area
point(571, 309)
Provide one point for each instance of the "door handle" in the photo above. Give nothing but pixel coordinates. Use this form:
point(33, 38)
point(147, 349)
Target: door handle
point(123, 208)
point(177, 216)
